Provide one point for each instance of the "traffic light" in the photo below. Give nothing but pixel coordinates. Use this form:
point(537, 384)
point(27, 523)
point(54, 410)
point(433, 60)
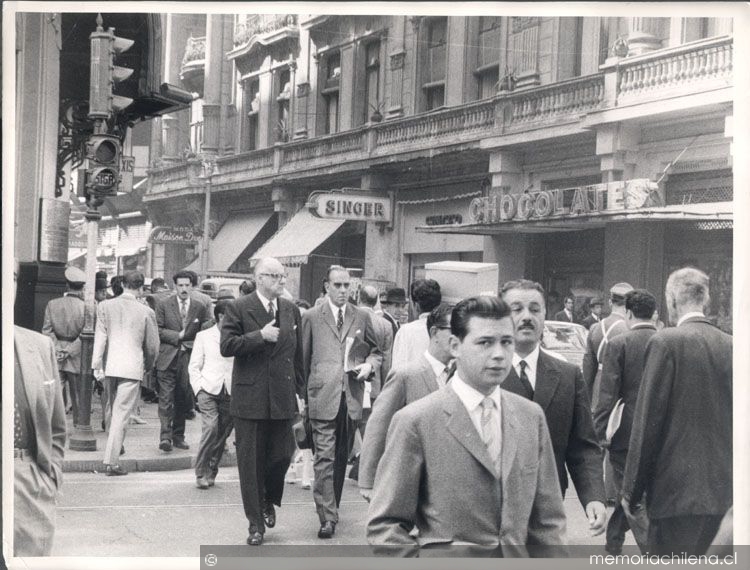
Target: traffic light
point(103, 169)
point(105, 75)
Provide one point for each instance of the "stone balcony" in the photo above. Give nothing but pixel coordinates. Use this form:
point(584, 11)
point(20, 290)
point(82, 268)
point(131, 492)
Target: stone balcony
point(194, 64)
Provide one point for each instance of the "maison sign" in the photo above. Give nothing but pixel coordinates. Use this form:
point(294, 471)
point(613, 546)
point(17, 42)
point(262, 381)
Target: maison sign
point(565, 202)
point(346, 206)
point(167, 234)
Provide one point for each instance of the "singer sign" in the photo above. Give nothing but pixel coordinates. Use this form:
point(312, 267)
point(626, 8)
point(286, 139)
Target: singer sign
point(339, 205)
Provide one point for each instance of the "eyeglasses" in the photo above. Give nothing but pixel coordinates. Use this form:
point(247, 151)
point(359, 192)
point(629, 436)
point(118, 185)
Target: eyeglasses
point(341, 285)
point(274, 276)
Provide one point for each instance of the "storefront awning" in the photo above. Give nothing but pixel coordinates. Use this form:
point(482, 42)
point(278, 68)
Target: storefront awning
point(711, 211)
point(296, 240)
point(233, 237)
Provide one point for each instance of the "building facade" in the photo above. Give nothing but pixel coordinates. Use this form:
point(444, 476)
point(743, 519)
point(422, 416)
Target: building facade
point(449, 117)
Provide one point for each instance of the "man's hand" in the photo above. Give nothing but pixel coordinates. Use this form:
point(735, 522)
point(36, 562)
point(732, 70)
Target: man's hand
point(181, 335)
point(270, 332)
point(597, 515)
point(366, 494)
point(363, 370)
point(99, 374)
point(61, 354)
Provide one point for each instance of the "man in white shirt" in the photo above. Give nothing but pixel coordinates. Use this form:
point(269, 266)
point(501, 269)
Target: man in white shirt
point(211, 380)
point(469, 464)
point(414, 338)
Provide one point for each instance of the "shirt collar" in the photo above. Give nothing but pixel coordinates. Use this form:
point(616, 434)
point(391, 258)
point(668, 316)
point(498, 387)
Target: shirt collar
point(531, 359)
point(264, 301)
point(128, 295)
point(690, 315)
point(643, 326)
point(471, 397)
point(335, 309)
point(180, 301)
point(437, 366)
point(424, 315)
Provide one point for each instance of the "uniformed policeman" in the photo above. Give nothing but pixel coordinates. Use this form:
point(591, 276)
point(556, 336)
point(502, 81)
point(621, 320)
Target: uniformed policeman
point(63, 323)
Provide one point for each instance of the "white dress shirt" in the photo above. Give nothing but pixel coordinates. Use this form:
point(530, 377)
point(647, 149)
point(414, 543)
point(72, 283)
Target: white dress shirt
point(335, 310)
point(180, 304)
point(472, 401)
point(437, 367)
point(264, 301)
point(412, 338)
point(531, 365)
point(208, 369)
point(687, 316)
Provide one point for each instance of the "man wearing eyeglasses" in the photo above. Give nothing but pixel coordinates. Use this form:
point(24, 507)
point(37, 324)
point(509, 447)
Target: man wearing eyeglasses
point(262, 331)
point(334, 396)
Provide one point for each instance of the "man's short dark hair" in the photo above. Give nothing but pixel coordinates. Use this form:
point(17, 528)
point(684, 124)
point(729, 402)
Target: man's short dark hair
point(525, 284)
point(133, 280)
point(426, 293)
point(182, 275)
point(568, 297)
point(221, 308)
point(330, 270)
point(247, 287)
point(483, 306)
point(157, 284)
point(75, 285)
point(641, 303)
point(440, 316)
point(116, 284)
point(193, 277)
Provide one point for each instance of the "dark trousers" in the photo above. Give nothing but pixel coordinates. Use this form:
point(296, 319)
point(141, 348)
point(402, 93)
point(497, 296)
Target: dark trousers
point(264, 452)
point(216, 425)
point(174, 387)
point(691, 534)
point(619, 523)
point(334, 440)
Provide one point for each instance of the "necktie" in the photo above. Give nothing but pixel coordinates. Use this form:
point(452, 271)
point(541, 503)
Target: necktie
point(183, 312)
point(443, 377)
point(270, 308)
point(340, 319)
point(525, 380)
point(489, 432)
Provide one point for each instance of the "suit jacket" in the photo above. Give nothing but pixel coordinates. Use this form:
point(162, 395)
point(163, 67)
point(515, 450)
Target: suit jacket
point(266, 375)
point(170, 324)
point(384, 337)
point(562, 395)
point(622, 371)
point(563, 316)
point(403, 386)
point(436, 474)
point(596, 336)
point(63, 320)
point(41, 379)
point(589, 321)
point(680, 451)
point(323, 358)
point(127, 331)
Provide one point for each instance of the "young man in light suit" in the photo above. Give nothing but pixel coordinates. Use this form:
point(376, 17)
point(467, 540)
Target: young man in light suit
point(126, 330)
point(470, 464)
point(428, 373)
point(334, 397)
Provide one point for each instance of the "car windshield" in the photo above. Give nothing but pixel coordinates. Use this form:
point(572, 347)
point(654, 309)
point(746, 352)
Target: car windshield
point(564, 337)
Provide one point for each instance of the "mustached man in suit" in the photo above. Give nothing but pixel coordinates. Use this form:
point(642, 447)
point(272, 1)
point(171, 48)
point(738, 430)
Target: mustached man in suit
point(426, 374)
point(680, 452)
point(334, 396)
point(557, 386)
point(39, 434)
point(179, 317)
point(263, 333)
point(469, 464)
point(126, 332)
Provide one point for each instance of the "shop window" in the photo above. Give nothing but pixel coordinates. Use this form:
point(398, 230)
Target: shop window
point(372, 80)
point(330, 92)
point(284, 93)
point(487, 71)
point(433, 76)
point(251, 139)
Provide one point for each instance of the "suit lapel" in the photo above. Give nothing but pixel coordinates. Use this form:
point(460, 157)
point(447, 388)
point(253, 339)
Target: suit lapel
point(509, 436)
point(349, 315)
point(460, 426)
point(325, 311)
point(285, 324)
point(512, 382)
point(30, 369)
point(428, 376)
point(257, 311)
point(547, 379)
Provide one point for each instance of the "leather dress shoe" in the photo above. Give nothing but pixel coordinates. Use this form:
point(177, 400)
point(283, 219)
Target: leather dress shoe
point(327, 529)
point(180, 443)
point(255, 538)
point(165, 445)
point(122, 450)
point(202, 483)
point(269, 515)
point(115, 470)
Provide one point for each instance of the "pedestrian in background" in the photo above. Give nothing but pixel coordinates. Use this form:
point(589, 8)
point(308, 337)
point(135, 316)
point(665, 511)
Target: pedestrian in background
point(413, 338)
point(211, 382)
point(679, 461)
point(595, 314)
point(567, 315)
point(126, 330)
point(394, 307)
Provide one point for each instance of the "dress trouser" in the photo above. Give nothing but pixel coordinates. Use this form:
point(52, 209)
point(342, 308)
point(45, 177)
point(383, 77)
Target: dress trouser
point(216, 425)
point(125, 397)
point(691, 534)
point(34, 509)
point(174, 385)
point(619, 523)
point(264, 452)
point(70, 382)
point(333, 440)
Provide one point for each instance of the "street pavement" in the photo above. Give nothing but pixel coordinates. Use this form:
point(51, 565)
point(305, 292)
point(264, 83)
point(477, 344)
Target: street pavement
point(163, 514)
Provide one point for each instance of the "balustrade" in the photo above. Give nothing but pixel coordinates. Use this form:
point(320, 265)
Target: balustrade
point(322, 146)
point(547, 103)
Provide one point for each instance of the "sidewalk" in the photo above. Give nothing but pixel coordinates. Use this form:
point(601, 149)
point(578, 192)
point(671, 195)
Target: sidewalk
point(142, 451)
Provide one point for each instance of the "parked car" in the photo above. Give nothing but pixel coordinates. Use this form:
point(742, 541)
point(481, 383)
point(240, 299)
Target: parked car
point(565, 339)
point(212, 285)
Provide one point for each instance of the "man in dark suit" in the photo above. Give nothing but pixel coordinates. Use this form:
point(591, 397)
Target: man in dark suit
point(427, 373)
point(394, 307)
point(596, 312)
point(335, 391)
point(566, 315)
point(621, 378)
point(470, 464)
point(179, 318)
point(557, 386)
point(262, 331)
point(680, 453)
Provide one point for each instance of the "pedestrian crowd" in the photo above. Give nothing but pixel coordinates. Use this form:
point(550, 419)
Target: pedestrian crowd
point(459, 426)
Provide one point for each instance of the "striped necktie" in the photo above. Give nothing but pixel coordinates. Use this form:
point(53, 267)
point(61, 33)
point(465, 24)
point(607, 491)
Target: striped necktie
point(490, 435)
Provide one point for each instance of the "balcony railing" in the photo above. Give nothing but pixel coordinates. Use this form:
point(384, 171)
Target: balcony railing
point(195, 50)
point(337, 144)
point(683, 68)
point(260, 25)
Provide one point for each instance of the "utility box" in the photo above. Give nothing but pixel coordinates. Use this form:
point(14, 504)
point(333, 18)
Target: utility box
point(461, 279)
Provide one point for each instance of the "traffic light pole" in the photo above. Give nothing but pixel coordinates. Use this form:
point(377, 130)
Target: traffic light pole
point(208, 172)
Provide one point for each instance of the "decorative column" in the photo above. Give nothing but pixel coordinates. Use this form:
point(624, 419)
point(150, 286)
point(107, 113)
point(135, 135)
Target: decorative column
point(616, 146)
point(212, 83)
point(643, 35)
point(174, 124)
point(283, 203)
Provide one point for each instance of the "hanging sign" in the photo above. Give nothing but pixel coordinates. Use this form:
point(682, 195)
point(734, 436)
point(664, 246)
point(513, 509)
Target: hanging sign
point(167, 234)
point(346, 206)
